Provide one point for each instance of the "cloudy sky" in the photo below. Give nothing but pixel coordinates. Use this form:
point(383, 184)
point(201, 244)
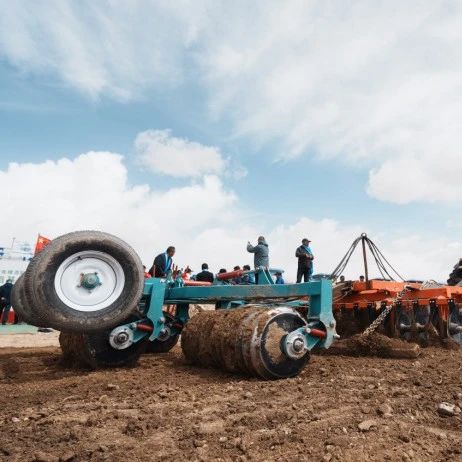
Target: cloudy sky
point(204, 124)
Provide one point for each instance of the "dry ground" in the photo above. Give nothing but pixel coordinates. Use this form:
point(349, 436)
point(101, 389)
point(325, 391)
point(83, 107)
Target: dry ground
point(167, 410)
point(36, 340)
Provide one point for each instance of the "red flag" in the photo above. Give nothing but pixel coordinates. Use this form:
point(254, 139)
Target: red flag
point(41, 243)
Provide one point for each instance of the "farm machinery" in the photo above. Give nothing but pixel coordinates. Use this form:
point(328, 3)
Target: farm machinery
point(90, 286)
point(410, 310)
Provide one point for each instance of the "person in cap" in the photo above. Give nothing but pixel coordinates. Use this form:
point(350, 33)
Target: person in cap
point(205, 275)
point(237, 280)
point(248, 278)
point(279, 279)
point(305, 261)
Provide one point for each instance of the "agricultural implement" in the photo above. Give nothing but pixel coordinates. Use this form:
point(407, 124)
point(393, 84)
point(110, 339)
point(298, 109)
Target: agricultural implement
point(90, 286)
point(413, 311)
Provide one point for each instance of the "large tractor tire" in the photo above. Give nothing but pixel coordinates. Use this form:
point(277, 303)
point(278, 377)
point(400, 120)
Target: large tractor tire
point(17, 298)
point(84, 281)
point(22, 307)
point(95, 350)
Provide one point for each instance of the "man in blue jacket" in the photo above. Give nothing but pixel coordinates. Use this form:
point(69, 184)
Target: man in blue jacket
point(163, 263)
point(305, 261)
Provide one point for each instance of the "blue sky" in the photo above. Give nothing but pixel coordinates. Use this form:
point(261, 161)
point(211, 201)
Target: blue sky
point(343, 118)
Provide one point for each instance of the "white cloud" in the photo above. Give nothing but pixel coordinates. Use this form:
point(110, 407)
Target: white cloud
point(92, 192)
point(177, 157)
point(113, 48)
point(204, 220)
point(373, 84)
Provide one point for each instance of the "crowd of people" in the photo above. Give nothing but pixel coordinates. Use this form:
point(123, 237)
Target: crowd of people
point(163, 264)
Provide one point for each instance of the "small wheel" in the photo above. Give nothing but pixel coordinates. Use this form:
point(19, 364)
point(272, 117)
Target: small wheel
point(167, 340)
point(85, 281)
point(96, 350)
point(162, 346)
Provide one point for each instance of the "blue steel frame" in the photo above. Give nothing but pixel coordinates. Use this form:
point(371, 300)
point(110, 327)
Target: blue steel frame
point(159, 292)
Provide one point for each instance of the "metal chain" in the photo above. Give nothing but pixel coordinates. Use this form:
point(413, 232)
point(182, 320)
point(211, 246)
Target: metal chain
point(384, 313)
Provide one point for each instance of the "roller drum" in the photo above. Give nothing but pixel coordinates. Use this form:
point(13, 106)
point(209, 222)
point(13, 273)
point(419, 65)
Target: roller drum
point(244, 340)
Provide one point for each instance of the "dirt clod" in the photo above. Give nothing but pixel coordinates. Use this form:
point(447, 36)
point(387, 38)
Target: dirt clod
point(448, 409)
point(375, 345)
point(44, 457)
point(367, 425)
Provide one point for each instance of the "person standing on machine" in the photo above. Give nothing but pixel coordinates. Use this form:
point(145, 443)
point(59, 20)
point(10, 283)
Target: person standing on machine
point(305, 261)
point(163, 263)
point(261, 255)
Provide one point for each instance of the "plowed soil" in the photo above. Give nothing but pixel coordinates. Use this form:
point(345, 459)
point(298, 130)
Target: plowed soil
point(165, 409)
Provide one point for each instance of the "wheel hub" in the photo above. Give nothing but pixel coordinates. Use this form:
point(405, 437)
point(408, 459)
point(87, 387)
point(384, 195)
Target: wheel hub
point(90, 280)
point(121, 338)
point(164, 334)
point(295, 345)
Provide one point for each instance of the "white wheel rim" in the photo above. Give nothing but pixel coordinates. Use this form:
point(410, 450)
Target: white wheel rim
point(68, 279)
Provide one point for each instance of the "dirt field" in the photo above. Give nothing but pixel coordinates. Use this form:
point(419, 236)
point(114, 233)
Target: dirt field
point(167, 410)
point(35, 340)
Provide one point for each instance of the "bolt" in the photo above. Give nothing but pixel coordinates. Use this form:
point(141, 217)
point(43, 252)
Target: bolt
point(332, 323)
point(298, 344)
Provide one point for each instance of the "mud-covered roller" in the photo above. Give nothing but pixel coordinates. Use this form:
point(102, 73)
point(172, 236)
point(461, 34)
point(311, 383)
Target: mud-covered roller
point(254, 341)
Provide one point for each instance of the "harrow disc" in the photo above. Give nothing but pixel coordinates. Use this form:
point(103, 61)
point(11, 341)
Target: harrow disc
point(455, 324)
point(348, 322)
point(245, 340)
point(405, 322)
